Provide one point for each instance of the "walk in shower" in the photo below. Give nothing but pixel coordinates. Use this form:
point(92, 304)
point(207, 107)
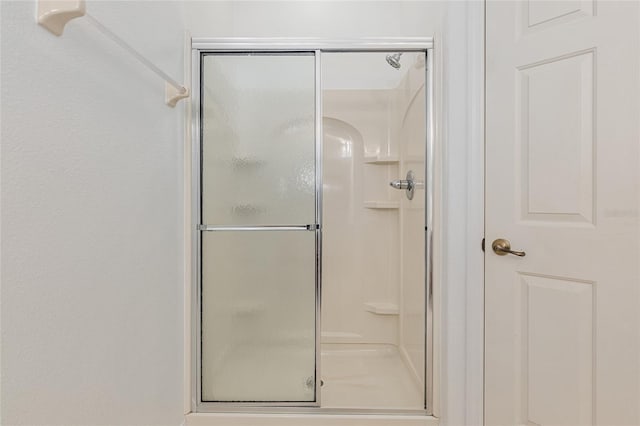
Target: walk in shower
point(312, 200)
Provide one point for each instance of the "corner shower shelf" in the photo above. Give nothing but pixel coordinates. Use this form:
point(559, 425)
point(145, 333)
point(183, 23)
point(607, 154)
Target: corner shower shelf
point(381, 204)
point(381, 159)
point(382, 308)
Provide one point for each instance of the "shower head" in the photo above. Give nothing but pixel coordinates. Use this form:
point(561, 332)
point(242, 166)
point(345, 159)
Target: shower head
point(394, 60)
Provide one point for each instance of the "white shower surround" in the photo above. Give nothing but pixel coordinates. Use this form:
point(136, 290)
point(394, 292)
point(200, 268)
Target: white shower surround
point(373, 287)
point(373, 242)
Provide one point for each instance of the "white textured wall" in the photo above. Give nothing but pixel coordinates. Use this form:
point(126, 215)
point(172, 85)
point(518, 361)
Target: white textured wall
point(462, 215)
point(327, 19)
point(91, 220)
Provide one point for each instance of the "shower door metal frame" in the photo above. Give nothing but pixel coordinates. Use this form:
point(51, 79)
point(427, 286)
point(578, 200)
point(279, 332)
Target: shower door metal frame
point(203, 46)
point(316, 228)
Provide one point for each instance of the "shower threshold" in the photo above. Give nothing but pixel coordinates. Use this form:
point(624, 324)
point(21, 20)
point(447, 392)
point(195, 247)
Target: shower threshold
point(360, 381)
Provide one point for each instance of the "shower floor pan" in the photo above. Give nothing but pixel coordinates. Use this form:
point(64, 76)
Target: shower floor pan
point(354, 375)
point(367, 376)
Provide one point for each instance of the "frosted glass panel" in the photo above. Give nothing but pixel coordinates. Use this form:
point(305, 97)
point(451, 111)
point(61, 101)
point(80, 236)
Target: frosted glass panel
point(258, 316)
point(258, 139)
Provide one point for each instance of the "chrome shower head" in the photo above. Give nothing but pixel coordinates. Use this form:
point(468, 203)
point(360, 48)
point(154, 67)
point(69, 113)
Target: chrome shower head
point(394, 60)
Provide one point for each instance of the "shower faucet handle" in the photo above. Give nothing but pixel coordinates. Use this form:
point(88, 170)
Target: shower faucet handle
point(401, 184)
point(408, 184)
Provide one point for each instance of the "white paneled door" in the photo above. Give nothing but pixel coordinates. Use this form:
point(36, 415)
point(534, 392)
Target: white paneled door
point(562, 326)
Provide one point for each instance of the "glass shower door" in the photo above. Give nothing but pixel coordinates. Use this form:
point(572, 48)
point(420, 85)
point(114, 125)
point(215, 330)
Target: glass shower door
point(259, 233)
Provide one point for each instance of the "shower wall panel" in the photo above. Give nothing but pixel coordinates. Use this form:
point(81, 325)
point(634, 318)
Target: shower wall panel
point(360, 214)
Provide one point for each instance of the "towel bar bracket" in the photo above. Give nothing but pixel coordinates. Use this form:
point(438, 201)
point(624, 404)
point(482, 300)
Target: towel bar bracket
point(55, 14)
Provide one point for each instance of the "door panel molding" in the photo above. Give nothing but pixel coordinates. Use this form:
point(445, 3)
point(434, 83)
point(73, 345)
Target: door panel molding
point(556, 309)
point(557, 163)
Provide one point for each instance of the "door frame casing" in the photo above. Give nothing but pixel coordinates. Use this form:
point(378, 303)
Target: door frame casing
point(199, 46)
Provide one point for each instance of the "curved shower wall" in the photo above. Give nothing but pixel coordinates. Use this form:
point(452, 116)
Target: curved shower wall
point(360, 215)
point(342, 189)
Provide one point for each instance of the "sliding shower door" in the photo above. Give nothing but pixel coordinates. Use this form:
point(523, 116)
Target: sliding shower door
point(259, 231)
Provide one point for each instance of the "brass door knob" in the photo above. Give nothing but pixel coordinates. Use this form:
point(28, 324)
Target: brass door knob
point(502, 247)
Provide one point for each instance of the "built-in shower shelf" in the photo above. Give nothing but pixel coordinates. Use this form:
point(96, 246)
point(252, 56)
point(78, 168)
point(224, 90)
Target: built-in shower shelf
point(381, 159)
point(382, 204)
point(382, 308)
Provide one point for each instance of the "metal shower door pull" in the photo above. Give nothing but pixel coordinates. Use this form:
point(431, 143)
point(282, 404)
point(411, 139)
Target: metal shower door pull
point(408, 184)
